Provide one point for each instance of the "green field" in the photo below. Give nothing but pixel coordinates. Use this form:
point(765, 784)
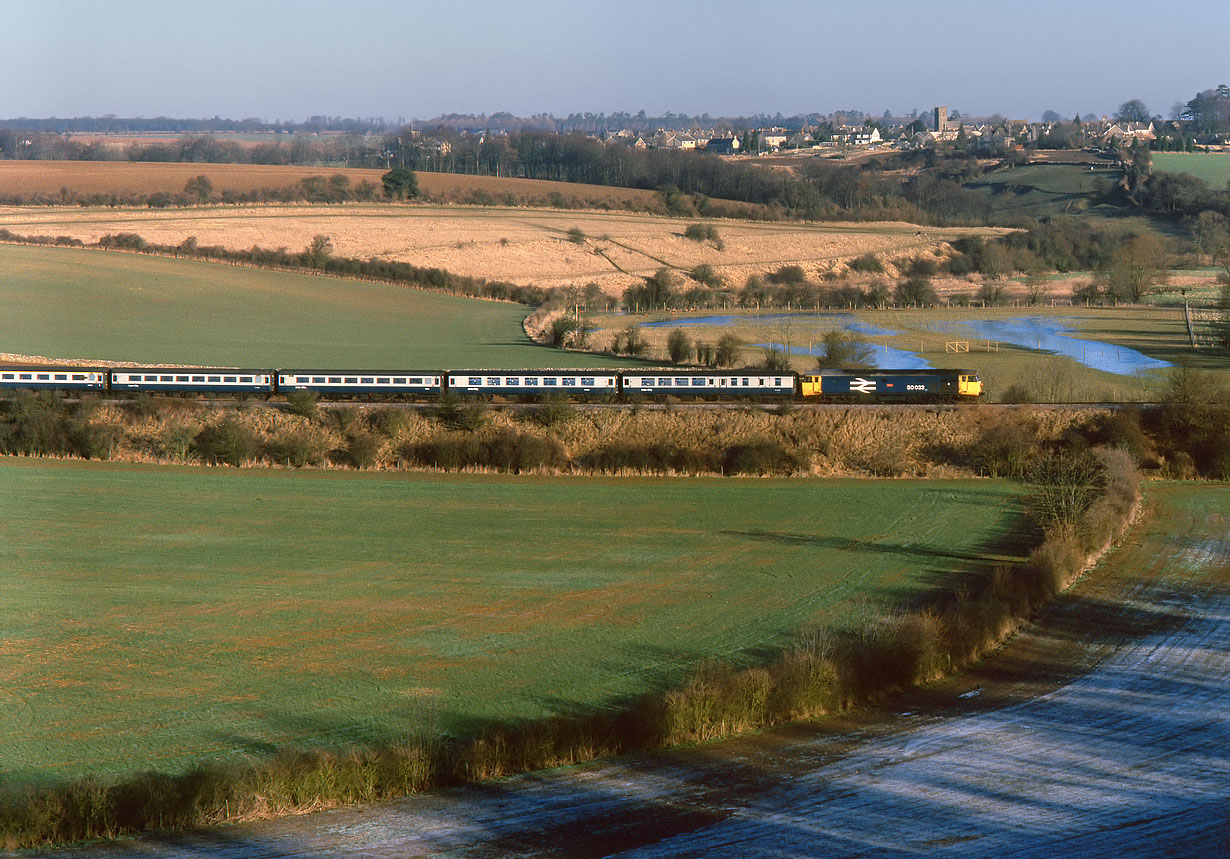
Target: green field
point(65, 303)
point(1213, 168)
point(1040, 190)
point(157, 617)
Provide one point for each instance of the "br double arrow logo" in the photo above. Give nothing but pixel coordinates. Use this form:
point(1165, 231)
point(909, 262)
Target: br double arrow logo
point(863, 386)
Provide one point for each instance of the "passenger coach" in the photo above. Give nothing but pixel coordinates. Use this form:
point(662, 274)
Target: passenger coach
point(188, 380)
point(708, 383)
point(54, 378)
point(352, 382)
point(534, 383)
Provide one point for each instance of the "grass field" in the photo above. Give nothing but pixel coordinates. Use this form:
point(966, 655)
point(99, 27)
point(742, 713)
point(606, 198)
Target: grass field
point(1213, 168)
point(1049, 190)
point(64, 303)
point(156, 617)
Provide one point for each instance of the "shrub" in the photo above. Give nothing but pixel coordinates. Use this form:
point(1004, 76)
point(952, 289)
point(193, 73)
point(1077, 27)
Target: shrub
point(1004, 448)
point(576, 235)
point(760, 456)
point(703, 232)
point(1068, 482)
point(362, 448)
point(303, 403)
point(227, 442)
point(705, 274)
point(868, 263)
point(516, 452)
point(788, 274)
point(678, 346)
point(297, 448)
point(552, 411)
point(388, 421)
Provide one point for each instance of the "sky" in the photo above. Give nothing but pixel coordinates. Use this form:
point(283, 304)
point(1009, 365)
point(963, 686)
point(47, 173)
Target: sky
point(273, 59)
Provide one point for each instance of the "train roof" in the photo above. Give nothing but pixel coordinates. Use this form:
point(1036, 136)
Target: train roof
point(876, 371)
point(360, 372)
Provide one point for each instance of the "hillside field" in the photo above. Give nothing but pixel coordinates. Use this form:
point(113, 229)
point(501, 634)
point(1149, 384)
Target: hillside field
point(157, 617)
point(77, 304)
point(1213, 168)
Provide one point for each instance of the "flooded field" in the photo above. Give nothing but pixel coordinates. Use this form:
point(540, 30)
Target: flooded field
point(1042, 334)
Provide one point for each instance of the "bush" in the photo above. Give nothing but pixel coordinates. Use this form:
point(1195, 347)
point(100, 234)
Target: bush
point(788, 274)
point(303, 403)
point(516, 452)
point(389, 421)
point(761, 456)
point(868, 263)
point(553, 411)
point(362, 448)
point(576, 235)
point(297, 448)
point(227, 442)
point(679, 347)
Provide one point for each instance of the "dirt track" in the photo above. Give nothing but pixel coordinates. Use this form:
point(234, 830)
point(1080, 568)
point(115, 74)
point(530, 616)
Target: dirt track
point(1102, 731)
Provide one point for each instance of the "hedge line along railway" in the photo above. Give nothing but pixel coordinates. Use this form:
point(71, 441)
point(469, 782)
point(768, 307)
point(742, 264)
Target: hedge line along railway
point(639, 385)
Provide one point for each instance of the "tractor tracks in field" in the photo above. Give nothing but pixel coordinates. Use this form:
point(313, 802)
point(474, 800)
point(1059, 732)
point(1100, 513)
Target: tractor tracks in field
point(1100, 731)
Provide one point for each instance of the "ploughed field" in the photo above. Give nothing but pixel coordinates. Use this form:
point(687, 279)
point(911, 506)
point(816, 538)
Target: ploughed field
point(73, 304)
point(159, 617)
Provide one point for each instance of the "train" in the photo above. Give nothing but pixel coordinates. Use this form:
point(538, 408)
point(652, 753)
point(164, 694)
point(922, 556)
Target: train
point(857, 386)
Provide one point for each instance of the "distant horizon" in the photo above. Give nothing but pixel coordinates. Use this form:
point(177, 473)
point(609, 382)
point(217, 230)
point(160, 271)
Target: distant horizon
point(421, 60)
point(454, 115)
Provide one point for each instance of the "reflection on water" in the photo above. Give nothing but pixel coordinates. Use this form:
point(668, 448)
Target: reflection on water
point(1054, 335)
point(1042, 333)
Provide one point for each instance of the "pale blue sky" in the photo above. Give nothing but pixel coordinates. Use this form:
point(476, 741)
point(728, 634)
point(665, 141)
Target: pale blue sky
point(289, 60)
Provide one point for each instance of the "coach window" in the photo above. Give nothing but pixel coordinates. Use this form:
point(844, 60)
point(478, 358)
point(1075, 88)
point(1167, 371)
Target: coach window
point(549, 380)
point(61, 377)
point(402, 381)
point(335, 380)
point(181, 378)
point(382, 380)
point(352, 380)
point(587, 381)
point(24, 376)
point(198, 378)
point(367, 380)
point(245, 379)
point(78, 377)
point(570, 381)
point(6, 376)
